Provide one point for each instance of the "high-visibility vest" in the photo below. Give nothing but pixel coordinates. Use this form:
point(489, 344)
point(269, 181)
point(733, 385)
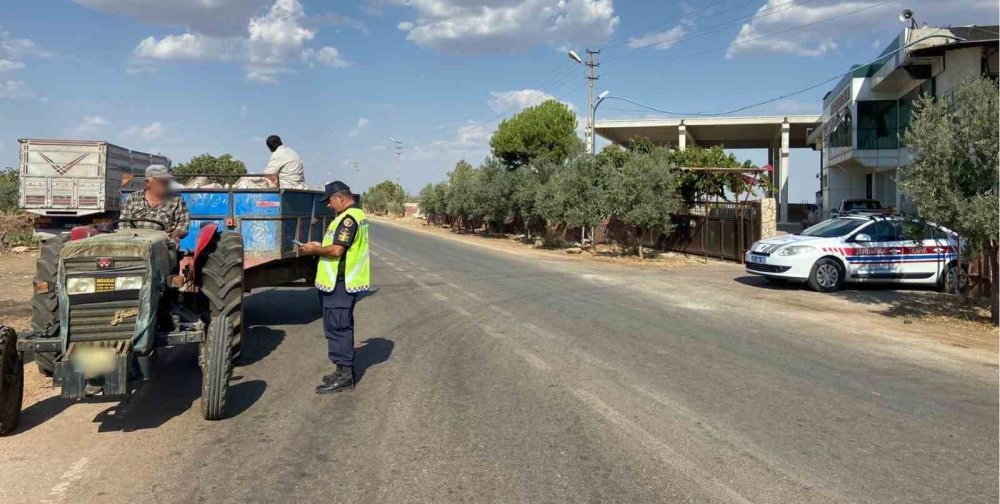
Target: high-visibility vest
point(356, 271)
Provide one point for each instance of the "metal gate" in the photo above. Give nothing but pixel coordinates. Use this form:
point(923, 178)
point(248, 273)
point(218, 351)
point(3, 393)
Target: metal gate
point(721, 230)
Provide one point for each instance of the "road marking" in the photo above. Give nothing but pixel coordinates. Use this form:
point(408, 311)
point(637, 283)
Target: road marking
point(441, 297)
point(533, 359)
point(397, 268)
point(538, 330)
point(410, 276)
point(59, 492)
point(663, 451)
point(435, 275)
point(464, 291)
point(461, 311)
point(593, 361)
point(502, 311)
point(421, 268)
point(376, 254)
point(490, 331)
point(387, 250)
point(390, 263)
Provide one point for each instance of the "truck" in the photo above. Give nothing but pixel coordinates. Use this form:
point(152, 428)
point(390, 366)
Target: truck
point(68, 183)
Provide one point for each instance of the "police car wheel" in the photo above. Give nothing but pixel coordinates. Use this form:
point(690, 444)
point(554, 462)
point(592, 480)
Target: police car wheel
point(951, 277)
point(826, 276)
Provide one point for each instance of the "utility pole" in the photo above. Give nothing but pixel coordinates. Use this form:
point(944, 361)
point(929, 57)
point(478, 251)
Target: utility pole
point(592, 65)
point(399, 153)
point(355, 165)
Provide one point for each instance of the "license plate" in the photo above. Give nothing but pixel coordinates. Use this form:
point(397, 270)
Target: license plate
point(759, 259)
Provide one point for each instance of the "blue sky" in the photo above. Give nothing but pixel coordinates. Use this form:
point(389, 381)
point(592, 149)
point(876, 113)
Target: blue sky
point(337, 79)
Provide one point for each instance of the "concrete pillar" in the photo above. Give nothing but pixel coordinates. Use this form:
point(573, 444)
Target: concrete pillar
point(682, 137)
point(783, 172)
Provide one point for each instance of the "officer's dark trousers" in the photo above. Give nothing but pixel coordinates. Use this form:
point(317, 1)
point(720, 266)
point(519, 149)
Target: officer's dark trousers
point(338, 324)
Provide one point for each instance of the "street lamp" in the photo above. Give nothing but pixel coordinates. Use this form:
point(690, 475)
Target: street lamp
point(574, 56)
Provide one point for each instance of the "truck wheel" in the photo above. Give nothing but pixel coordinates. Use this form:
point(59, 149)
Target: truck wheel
point(45, 307)
point(11, 381)
point(223, 285)
point(826, 275)
point(216, 369)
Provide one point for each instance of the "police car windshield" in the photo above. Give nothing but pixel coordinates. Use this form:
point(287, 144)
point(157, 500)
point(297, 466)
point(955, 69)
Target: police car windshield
point(833, 227)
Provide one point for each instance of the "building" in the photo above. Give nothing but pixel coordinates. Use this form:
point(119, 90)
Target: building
point(866, 114)
point(777, 134)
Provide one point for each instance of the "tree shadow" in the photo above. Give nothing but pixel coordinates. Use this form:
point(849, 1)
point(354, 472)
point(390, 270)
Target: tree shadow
point(372, 352)
point(897, 301)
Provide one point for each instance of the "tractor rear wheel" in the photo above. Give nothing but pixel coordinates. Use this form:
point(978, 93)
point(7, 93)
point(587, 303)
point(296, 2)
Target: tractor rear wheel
point(45, 306)
point(223, 284)
point(11, 380)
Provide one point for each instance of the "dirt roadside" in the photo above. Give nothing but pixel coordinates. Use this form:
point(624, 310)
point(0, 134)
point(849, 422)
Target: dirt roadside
point(16, 273)
point(925, 314)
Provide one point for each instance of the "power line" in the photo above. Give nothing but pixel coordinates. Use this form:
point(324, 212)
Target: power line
point(762, 37)
point(881, 58)
point(713, 29)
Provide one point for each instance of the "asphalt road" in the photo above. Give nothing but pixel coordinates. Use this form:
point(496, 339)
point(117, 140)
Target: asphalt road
point(492, 377)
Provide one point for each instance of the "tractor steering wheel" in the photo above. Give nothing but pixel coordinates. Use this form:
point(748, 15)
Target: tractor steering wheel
point(163, 227)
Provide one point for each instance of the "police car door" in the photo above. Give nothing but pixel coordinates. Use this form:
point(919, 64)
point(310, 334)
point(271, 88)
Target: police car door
point(878, 257)
point(920, 252)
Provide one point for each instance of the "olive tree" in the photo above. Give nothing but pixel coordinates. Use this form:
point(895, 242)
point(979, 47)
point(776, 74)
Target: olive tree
point(953, 179)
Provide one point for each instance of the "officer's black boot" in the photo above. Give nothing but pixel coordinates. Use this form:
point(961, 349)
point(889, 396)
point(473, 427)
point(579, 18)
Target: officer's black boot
point(341, 380)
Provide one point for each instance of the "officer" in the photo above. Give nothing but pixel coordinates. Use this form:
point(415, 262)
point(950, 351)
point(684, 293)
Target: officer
point(341, 275)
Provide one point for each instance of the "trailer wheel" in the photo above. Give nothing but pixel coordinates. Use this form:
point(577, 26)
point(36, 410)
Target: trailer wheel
point(216, 369)
point(45, 307)
point(11, 380)
point(223, 284)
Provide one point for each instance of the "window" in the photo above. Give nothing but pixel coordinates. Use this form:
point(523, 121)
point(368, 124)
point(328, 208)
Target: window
point(882, 231)
point(881, 123)
point(842, 134)
point(833, 228)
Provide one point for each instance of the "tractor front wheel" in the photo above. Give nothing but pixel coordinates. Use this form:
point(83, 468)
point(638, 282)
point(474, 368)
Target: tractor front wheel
point(11, 380)
point(216, 369)
point(45, 305)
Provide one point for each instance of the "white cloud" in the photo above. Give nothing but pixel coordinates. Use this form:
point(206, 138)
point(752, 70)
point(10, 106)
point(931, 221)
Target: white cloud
point(775, 29)
point(515, 101)
point(660, 40)
point(507, 25)
point(13, 52)
point(89, 125)
point(150, 132)
point(212, 17)
point(272, 43)
point(358, 128)
point(15, 90)
point(327, 56)
point(470, 142)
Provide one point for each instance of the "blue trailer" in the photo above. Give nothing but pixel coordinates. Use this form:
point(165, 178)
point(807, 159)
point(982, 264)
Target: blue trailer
point(269, 220)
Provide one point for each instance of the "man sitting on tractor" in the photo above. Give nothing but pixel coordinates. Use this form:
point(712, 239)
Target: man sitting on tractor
point(156, 206)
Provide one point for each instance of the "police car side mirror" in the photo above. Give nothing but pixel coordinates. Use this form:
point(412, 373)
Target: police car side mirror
point(862, 237)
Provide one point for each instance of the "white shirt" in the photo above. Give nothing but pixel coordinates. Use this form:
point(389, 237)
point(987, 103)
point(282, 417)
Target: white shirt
point(286, 164)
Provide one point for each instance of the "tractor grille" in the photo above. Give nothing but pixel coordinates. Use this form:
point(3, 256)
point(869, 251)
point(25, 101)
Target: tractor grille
point(92, 321)
point(132, 265)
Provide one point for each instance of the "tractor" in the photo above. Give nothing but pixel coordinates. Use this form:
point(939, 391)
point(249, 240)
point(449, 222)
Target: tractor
point(105, 302)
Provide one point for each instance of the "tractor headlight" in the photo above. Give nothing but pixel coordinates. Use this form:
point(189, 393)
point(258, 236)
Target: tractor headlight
point(80, 285)
point(795, 250)
point(128, 283)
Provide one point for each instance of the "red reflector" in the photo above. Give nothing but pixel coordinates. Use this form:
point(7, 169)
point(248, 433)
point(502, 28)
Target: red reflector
point(105, 263)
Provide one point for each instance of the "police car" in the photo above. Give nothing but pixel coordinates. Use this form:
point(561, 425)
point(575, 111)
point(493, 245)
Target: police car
point(860, 248)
